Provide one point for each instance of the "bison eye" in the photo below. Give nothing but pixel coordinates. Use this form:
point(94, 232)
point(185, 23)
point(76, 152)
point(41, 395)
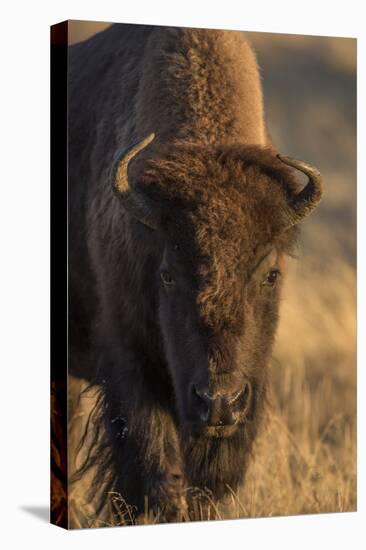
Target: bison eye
point(166, 277)
point(271, 277)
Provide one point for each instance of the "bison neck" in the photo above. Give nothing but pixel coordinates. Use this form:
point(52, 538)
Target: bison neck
point(201, 86)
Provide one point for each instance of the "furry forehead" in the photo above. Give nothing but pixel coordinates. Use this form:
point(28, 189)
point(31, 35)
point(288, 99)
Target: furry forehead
point(185, 170)
point(240, 191)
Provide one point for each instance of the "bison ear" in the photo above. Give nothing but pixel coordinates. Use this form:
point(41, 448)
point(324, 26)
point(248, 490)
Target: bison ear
point(134, 199)
point(303, 203)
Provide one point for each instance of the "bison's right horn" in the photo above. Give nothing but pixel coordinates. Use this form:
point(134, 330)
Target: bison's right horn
point(134, 200)
point(304, 202)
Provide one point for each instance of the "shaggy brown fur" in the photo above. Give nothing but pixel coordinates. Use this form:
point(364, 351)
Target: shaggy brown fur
point(208, 88)
point(221, 198)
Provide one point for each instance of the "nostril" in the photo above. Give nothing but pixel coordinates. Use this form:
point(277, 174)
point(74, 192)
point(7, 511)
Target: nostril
point(204, 411)
point(195, 392)
point(236, 396)
point(243, 399)
point(201, 403)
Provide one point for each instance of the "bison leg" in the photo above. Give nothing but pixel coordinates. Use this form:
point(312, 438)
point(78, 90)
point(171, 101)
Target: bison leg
point(146, 456)
point(150, 475)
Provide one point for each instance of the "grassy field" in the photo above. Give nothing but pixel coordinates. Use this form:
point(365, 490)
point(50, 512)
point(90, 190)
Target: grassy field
point(305, 457)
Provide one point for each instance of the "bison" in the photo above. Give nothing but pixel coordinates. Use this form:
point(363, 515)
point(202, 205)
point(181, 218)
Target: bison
point(181, 215)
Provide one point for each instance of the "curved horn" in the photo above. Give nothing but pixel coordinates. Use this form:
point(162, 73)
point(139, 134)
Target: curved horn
point(133, 199)
point(304, 202)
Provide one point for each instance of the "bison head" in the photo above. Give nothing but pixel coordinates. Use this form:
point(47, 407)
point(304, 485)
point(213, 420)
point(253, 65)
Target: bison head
point(223, 219)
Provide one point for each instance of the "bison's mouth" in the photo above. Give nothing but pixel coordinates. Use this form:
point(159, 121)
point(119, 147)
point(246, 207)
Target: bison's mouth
point(220, 431)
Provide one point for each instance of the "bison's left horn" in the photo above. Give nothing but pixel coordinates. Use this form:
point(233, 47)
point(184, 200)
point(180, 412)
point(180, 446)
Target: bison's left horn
point(134, 200)
point(304, 202)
